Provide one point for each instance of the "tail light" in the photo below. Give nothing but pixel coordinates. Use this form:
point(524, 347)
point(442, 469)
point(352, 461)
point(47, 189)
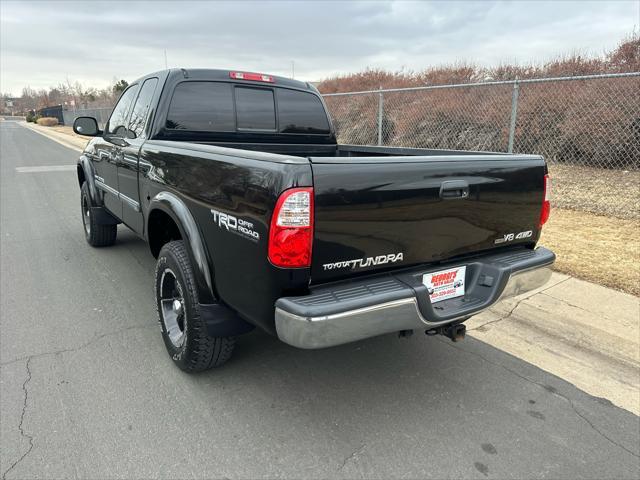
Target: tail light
point(546, 203)
point(291, 232)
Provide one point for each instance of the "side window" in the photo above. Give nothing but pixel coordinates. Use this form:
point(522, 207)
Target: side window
point(202, 106)
point(118, 121)
point(141, 107)
point(255, 109)
point(301, 112)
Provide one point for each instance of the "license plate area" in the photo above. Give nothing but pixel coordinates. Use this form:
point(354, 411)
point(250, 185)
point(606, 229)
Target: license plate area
point(445, 284)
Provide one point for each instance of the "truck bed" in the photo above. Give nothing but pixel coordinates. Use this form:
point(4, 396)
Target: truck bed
point(428, 205)
point(344, 150)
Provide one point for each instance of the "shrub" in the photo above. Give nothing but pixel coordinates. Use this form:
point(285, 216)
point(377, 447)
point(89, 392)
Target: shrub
point(30, 117)
point(47, 121)
point(593, 123)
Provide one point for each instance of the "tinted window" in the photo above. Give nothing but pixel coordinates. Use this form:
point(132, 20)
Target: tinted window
point(255, 109)
point(300, 112)
point(118, 121)
point(141, 107)
point(205, 106)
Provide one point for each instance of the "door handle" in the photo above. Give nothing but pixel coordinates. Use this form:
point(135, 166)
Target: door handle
point(454, 189)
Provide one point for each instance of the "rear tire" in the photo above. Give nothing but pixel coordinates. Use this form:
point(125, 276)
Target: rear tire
point(183, 330)
point(95, 234)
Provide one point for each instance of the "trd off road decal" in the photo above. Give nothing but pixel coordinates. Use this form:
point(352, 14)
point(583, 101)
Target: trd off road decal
point(235, 225)
point(510, 237)
point(365, 262)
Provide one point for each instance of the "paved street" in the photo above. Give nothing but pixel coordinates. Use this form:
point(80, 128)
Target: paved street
point(88, 391)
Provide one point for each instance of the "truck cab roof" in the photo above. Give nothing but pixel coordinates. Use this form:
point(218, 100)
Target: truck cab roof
point(239, 109)
point(213, 74)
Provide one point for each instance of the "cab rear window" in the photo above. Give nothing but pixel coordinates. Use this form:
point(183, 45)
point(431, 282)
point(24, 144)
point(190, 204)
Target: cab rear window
point(255, 109)
point(226, 107)
point(301, 112)
point(202, 106)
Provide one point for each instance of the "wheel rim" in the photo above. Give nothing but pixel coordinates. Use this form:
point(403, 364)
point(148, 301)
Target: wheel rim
point(86, 212)
point(172, 307)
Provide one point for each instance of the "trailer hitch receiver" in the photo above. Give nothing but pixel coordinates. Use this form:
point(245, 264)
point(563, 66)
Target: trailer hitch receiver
point(455, 332)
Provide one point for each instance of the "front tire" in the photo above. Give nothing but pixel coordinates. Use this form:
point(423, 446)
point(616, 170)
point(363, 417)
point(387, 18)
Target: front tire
point(95, 234)
point(183, 330)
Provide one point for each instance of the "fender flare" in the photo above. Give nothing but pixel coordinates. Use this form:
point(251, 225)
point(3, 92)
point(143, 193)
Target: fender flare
point(173, 206)
point(87, 169)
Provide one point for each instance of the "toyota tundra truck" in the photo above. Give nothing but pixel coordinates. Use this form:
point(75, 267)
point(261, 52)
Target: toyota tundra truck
point(259, 218)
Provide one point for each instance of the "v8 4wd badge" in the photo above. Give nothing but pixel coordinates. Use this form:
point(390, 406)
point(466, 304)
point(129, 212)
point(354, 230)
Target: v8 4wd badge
point(510, 237)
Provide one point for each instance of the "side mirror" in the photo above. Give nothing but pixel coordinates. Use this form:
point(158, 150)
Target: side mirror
point(87, 126)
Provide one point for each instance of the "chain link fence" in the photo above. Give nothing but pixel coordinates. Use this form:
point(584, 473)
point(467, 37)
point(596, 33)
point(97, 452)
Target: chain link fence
point(588, 129)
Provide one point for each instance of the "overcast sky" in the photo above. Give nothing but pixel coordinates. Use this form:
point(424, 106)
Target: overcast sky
point(44, 43)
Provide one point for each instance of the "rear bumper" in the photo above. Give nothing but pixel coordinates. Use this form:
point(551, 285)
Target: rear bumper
point(349, 311)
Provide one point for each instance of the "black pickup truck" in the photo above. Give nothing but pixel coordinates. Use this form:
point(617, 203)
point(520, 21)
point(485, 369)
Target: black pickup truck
point(258, 217)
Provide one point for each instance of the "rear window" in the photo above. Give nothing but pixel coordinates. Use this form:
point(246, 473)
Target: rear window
point(255, 109)
point(202, 106)
point(301, 112)
point(225, 107)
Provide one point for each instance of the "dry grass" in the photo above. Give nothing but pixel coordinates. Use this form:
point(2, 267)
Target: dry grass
point(597, 190)
point(68, 131)
point(47, 121)
point(602, 250)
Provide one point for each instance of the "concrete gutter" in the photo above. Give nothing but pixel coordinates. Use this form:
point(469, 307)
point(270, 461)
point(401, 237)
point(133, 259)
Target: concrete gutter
point(584, 333)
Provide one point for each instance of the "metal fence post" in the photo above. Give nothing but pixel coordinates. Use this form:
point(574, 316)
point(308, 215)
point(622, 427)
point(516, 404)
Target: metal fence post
point(380, 112)
point(514, 114)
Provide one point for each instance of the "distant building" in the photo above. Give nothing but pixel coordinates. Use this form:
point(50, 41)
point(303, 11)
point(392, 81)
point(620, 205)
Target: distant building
point(10, 105)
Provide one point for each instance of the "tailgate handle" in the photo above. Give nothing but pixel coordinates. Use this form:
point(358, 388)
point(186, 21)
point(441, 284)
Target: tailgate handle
point(454, 189)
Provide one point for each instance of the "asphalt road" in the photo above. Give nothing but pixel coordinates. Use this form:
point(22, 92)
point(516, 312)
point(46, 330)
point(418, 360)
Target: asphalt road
point(88, 391)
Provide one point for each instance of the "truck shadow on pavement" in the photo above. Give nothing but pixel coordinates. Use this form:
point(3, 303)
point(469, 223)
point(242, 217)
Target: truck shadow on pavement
point(464, 396)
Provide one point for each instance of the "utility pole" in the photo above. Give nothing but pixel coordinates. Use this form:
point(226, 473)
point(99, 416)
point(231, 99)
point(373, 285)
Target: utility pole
point(165, 59)
point(293, 69)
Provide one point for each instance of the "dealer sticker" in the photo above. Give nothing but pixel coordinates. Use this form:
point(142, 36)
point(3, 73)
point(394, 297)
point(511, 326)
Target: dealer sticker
point(445, 284)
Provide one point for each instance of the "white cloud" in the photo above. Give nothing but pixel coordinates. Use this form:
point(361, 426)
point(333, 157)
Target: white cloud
point(43, 43)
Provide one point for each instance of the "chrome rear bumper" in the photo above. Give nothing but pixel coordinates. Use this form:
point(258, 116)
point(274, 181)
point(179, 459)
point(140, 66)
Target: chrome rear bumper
point(353, 311)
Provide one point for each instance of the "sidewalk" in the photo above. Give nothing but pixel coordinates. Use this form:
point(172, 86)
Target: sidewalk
point(584, 333)
point(61, 134)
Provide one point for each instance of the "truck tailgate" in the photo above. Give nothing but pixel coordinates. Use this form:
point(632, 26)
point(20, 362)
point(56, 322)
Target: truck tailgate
point(375, 213)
